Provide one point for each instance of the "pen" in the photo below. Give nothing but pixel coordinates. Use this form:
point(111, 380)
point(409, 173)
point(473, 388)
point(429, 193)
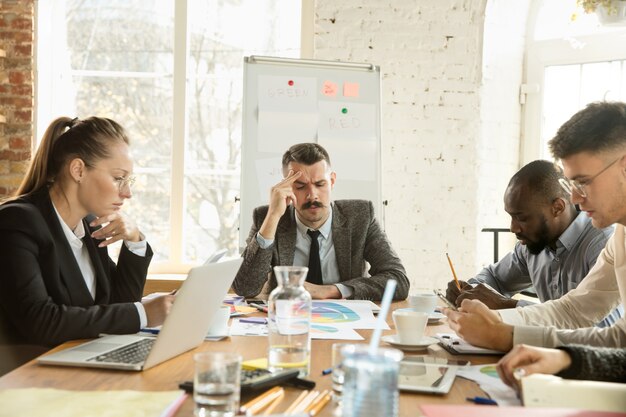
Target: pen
point(482, 400)
point(254, 320)
point(458, 285)
point(327, 371)
point(259, 307)
point(151, 331)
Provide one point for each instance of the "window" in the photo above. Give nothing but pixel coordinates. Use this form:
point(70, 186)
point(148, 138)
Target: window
point(568, 65)
point(171, 72)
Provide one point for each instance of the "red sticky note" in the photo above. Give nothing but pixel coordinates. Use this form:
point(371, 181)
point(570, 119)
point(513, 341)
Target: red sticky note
point(351, 89)
point(329, 89)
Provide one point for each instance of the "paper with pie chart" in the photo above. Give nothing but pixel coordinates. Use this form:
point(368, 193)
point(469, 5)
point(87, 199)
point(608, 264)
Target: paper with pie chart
point(338, 320)
point(335, 320)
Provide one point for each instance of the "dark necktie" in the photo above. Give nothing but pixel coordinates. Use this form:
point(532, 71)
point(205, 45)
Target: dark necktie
point(315, 268)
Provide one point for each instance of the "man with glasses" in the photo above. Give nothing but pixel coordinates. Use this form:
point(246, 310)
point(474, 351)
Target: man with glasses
point(592, 149)
point(556, 248)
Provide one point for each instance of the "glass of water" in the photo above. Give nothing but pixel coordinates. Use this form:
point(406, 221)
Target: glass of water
point(370, 387)
point(338, 351)
point(216, 384)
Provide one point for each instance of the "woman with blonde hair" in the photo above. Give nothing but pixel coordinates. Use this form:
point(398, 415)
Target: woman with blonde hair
point(58, 282)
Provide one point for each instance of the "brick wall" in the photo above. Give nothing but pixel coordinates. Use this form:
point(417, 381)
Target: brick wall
point(451, 71)
point(443, 165)
point(16, 91)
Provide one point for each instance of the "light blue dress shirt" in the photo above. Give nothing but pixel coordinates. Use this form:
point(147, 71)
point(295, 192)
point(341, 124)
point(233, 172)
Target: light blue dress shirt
point(552, 273)
point(328, 258)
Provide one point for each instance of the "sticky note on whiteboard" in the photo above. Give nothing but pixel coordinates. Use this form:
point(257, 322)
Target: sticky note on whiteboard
point(329, 89)
point(351, 89)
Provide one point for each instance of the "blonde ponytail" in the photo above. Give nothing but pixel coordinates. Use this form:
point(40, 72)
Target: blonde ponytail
point(38, 171)
point(67, 138)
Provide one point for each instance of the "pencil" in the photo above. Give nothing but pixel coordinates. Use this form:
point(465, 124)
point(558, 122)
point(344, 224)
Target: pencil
point(320, 404)
point(315, 401)
point(296, 402)
point(305, 402)
point(274, 403)
point(261, 401)
point(265, 402)
point(458, 285)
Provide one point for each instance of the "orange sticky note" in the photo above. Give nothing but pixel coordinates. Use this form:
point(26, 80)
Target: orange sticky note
point(329, 89)
point(351, 89)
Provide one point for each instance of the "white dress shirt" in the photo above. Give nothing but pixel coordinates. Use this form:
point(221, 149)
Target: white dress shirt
point(74, 237)
point(328, 258)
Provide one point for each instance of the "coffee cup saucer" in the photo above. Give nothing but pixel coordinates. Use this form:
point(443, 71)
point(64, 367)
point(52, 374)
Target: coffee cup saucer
point(435, 317)
point(426, 341)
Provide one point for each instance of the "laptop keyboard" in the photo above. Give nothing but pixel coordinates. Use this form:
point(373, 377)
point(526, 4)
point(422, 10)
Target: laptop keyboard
point(132, 354)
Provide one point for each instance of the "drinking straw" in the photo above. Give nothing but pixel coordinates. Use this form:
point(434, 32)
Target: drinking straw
point(390, 289)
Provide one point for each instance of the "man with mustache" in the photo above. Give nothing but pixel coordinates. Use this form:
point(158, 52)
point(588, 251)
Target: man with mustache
point(347, 235)
point(556, 248)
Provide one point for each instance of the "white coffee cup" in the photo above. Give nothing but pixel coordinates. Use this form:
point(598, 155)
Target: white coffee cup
point(423, 302)
point(219, 324)
point(410, 325)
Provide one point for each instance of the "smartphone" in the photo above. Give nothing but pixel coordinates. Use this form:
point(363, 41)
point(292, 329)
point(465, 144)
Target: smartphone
point(445, 300)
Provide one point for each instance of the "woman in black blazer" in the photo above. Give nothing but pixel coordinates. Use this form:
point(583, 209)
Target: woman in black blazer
point(57, 281)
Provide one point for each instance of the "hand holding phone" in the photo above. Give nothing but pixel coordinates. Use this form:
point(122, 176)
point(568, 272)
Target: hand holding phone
point(445, 300)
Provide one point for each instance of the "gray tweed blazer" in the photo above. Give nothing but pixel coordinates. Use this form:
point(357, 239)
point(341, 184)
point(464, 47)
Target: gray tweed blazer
point(357, 237)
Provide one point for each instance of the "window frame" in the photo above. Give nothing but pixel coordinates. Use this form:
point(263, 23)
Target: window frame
point(175, 264)
point(545, 53)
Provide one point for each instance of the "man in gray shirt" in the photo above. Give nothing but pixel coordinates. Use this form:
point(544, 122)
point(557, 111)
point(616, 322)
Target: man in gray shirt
point(556, 249)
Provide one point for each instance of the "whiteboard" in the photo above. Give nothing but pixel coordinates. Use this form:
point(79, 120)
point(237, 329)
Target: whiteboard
point(288, 101)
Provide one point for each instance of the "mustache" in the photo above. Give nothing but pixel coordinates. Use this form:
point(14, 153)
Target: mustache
point(310, 204)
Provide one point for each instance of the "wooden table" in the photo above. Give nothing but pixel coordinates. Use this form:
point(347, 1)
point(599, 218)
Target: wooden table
point(167, 375)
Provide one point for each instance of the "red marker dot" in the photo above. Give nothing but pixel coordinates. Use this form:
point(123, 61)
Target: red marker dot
point(290, 82)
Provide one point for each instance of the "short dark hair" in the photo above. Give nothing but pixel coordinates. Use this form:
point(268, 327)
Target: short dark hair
point(542, 179)
point(306, 154)
point(599, 127)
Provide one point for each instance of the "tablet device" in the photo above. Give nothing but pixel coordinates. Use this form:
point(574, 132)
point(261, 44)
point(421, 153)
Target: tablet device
point(428, 374)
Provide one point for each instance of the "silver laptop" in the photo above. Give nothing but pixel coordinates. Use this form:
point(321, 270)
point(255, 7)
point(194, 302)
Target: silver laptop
point(184, 328)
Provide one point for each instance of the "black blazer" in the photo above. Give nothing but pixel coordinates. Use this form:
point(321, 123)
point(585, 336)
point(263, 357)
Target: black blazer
point(43, 296)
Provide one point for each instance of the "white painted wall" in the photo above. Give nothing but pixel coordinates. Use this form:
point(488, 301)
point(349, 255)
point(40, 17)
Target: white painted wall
point(450, 119)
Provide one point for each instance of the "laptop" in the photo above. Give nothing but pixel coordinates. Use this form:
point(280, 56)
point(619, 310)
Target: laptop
point(184, 328)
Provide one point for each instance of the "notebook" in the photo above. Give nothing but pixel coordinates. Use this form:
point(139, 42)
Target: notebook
point(184, 328)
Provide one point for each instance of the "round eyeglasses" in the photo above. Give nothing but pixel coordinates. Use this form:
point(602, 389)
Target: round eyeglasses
point(122, 182)
point(571, 186)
